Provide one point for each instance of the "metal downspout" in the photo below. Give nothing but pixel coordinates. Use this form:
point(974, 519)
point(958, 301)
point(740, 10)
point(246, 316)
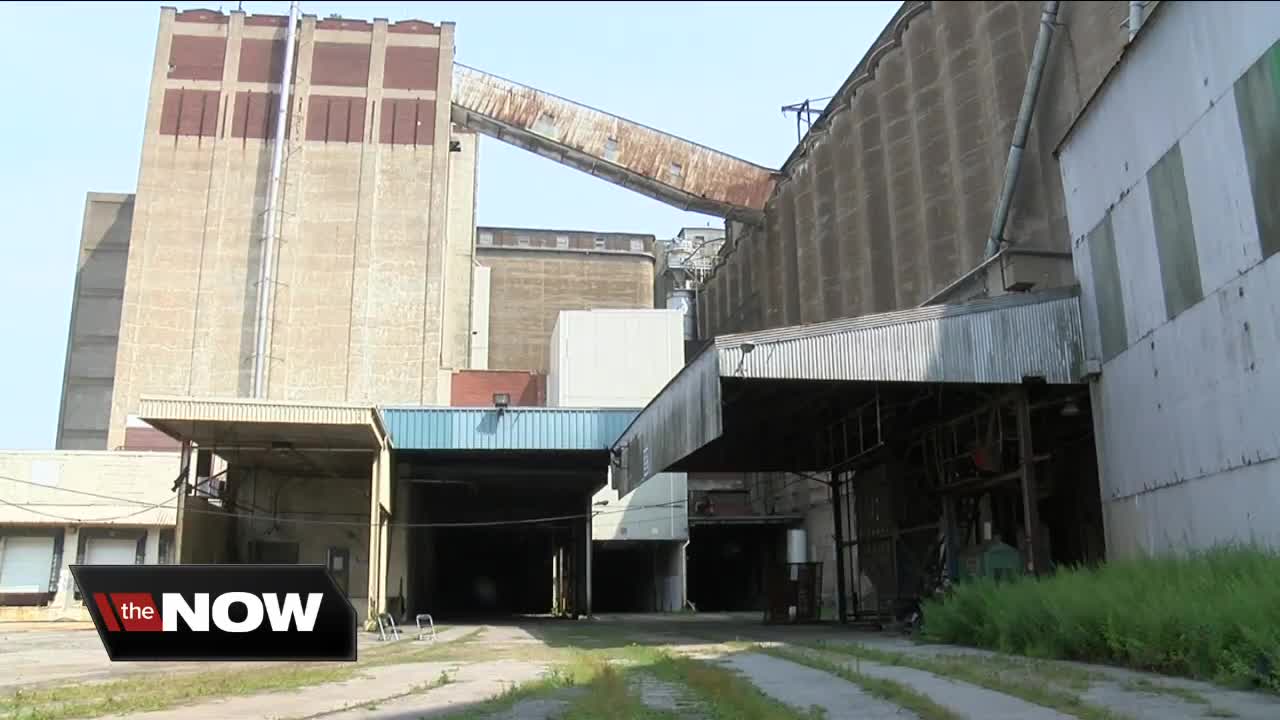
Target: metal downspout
point(1039, 57)
point(266, 265)
point(1135, 17)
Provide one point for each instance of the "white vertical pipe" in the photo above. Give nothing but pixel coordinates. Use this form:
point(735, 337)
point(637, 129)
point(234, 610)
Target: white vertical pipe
point(1135, 17)
point(266, 266)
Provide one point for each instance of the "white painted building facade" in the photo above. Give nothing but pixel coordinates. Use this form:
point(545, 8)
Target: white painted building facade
point(1172, 179)
point(66, 507)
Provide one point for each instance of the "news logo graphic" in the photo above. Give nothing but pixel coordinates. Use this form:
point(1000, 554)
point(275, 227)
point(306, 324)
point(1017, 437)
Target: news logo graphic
point(218, 612)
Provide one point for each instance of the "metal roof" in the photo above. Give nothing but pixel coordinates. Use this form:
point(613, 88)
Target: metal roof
point(524, 428)
point(998, 340)
point(1002, 340)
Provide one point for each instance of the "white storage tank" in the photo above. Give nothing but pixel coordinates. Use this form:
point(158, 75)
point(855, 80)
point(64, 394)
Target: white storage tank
point(797, 546)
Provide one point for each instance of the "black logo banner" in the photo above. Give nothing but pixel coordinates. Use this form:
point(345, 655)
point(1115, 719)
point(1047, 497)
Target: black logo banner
point(218, 612)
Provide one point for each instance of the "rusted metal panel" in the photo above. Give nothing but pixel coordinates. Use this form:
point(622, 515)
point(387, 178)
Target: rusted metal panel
point(411, 68)
point(342, 64)
point(193, 57)
point(668, 168)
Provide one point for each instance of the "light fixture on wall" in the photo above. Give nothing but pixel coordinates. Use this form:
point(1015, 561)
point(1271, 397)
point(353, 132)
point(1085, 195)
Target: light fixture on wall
point(1070, 409)
point(502, 401)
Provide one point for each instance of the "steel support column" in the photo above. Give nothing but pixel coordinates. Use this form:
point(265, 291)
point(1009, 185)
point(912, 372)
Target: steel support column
point(838, 521)
point(1030, 492)
point(586, 524)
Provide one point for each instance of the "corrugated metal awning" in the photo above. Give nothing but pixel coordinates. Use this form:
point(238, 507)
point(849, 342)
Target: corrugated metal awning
point(1003, 340)
point(521, 428)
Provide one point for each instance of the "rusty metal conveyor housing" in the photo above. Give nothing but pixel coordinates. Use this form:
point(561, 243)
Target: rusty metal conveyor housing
point(653, 163)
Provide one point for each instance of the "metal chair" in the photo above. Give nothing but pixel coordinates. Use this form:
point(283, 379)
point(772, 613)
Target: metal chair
point(385, 622)
point(430, 623)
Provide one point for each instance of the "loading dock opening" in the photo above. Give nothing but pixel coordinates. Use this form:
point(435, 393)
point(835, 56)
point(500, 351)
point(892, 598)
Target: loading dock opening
point(483, 536)
point(641, 576)
point(495, 508)
point(729, 562)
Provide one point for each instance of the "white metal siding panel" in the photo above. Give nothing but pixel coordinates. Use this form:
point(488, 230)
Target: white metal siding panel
point(1134, 233)
point(1222, 211)
point(1234, 506)
point(1090, 325)
point(1182, 64)
point(25, 564)
point(617, 358)
point(1184, 418)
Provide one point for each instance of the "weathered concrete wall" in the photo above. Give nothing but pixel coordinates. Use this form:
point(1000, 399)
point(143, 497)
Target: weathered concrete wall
point(316, 512)
point(889, 198)
point(461, 238)
point(361, 286)
point(206, 533)
point(535, 274)
point(1171, 193)
point(94, 331)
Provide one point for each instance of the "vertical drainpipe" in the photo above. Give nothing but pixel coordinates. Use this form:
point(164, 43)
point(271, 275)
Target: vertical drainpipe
point(1135, 17)
point(266, 265)
point(1039, 57)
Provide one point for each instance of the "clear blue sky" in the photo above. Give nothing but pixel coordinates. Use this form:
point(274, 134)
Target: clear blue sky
point(76, 86)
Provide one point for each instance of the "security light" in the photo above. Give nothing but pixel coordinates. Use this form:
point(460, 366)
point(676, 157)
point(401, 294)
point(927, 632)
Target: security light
point(747, 347)
point(501, 401)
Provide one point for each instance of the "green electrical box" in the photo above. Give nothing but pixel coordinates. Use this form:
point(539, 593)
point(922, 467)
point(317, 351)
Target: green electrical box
point(992, 559)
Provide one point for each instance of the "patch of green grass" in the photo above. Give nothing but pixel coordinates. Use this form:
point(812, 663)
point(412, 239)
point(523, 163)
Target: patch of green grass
point(1213, 614)
point(1220, 712)
point(608, 696)
point(893, 692)
point(727, 695)
point(976, 671)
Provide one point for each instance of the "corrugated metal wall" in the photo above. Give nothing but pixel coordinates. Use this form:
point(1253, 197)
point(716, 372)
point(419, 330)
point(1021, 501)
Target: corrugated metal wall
point(889, 198)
